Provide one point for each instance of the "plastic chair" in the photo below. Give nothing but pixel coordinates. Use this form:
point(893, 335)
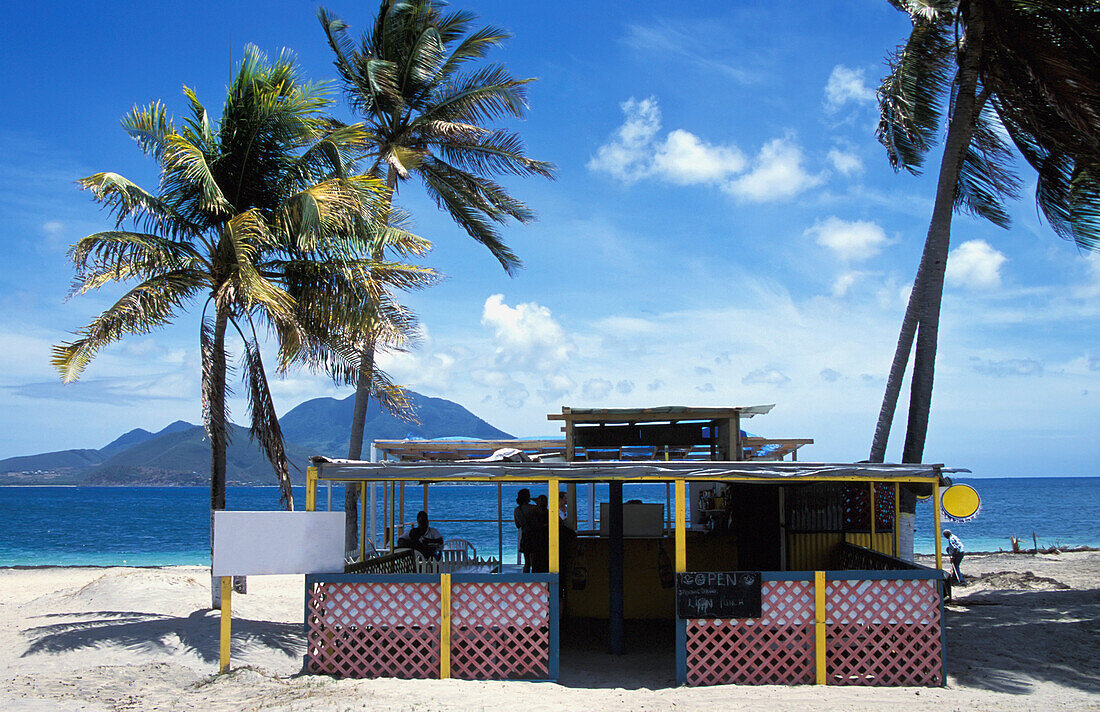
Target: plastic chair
point(458, 550)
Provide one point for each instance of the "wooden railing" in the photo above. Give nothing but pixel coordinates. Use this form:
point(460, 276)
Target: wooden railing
point(849, 557)
point(399, 562)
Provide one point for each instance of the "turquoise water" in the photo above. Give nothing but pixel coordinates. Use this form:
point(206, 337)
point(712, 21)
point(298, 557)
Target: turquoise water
point(148, 526)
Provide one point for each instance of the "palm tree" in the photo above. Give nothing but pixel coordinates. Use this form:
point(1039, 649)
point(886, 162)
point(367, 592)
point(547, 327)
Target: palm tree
point(1021, 69)
point(258, 214)
point(426, 113)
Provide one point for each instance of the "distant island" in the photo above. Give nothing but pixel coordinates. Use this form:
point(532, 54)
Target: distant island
point(179, 454)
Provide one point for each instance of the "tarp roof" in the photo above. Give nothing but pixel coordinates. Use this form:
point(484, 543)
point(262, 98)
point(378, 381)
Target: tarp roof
point(662, 471)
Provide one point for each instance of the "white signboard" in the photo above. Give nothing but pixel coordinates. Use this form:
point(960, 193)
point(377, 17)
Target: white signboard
point(251, 543)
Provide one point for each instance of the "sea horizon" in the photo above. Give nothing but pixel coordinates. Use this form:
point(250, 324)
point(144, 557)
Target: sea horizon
point(112, 525)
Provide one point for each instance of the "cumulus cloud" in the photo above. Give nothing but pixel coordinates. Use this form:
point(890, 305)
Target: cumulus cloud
point(844, 282)
point(846, 85)
point(597, 388)
point(776, 173)
point(527, 336)
point(769, 376)
point(976, 265)
point(636, 151)
point(850, 240)
point(685, 159)
point(845, 162)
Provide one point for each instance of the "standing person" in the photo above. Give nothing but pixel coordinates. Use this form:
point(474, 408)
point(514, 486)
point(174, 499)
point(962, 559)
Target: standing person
point(525, 516)
point(540, 542)
point(955, 549)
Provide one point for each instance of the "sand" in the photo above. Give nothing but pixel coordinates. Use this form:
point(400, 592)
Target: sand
point(1024, 635)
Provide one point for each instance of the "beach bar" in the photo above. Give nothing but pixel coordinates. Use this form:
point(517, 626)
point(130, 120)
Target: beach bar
point(770, 571)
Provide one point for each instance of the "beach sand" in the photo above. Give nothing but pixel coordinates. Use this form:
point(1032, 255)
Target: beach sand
point(1024, 635)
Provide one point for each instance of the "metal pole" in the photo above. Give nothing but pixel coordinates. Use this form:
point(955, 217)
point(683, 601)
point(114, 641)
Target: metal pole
point(936, 528)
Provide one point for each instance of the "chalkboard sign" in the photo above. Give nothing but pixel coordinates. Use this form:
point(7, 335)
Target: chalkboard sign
point(718, 594)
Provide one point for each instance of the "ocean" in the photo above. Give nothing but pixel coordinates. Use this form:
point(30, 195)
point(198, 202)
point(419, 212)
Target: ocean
point(152, 526)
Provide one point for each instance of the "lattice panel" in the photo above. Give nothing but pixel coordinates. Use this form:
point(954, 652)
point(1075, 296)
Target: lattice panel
point(747, 653)
point(885, 654)
point(374, 629)
point(775, 649)
point(857, 507)
point(522, 604)
point(883, 633)
point(882, 602)
point(500, 631)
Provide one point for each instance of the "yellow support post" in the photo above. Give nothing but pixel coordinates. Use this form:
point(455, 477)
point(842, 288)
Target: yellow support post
point(227, 591)
point(939, 534)
point(681, 533)
point(311, 489)
point(362, 521)
point(897, 519)
point(552, 513)
point(444, 626)
point(872, 546)
point(819, 626)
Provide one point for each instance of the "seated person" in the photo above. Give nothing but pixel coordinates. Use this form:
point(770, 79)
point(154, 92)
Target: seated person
point(423, 538)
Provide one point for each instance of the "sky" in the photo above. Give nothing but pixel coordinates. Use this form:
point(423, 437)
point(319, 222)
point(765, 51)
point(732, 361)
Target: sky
point(724, 229)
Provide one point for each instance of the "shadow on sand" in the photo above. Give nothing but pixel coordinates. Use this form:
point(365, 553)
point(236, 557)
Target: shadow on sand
point(152, 632)
point(1004, 640)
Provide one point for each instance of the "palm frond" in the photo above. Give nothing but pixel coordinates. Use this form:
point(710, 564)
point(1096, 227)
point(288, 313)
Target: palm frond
point(125, 199)
point(264, 427)
point(985, 176)
point(148, 305)
point(116, 255)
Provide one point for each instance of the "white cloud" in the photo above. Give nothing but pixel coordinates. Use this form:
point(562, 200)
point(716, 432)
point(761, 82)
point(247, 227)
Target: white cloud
point(844, 282)
point(685, 160)
point(777, 173)
point(527, 336)
point(770, 376)
point(636, 151)
point(625, 387)
point(846, 85)
point(976, 265)
point(845, 162)
point(628, 155)
point(854, 241)
point(596, 389)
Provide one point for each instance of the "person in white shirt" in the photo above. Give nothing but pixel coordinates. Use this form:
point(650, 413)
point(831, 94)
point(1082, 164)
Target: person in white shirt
point(955, 550)
point(423, 537)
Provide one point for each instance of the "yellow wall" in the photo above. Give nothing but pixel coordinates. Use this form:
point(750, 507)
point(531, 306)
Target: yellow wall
point(808, 551)
point(643, 595)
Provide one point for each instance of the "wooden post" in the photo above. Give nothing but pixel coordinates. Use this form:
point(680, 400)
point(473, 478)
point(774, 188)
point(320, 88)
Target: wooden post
point(227, 591)
point(363, 520)
point(425, 507)
point(936, 528)
point(444, 626)
point(897, 516)
point(615, 568)
point(571, 505)
point(311, 489)
point(681, 533)
point(819, 627)
point(553, 530)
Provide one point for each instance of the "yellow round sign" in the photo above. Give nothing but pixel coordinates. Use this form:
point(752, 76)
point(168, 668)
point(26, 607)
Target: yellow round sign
point(960, 502)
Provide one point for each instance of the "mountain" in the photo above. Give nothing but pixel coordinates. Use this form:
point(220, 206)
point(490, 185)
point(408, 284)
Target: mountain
point(323, 425)
point(179, 454)
point(182, 457)
point(140, 435)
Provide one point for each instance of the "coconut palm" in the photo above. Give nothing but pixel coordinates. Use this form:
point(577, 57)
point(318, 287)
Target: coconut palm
point(426, 109)
point(256, 213)
point(1021, 70)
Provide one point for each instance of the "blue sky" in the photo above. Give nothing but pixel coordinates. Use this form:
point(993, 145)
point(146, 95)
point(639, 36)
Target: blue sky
point(724, 230)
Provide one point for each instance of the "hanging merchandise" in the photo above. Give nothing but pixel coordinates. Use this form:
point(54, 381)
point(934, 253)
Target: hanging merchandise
point(960, 503)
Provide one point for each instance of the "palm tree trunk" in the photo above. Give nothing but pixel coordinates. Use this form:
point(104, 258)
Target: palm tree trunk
point(217, 424)
point(938, 242)
point(362, 398)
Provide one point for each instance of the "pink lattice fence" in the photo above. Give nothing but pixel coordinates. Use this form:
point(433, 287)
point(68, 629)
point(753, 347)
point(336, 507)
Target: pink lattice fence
point(775, 649)
point(500, 631)
point(883, 628)
point(883, 632)
point(373, 629)
point(364, 625)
